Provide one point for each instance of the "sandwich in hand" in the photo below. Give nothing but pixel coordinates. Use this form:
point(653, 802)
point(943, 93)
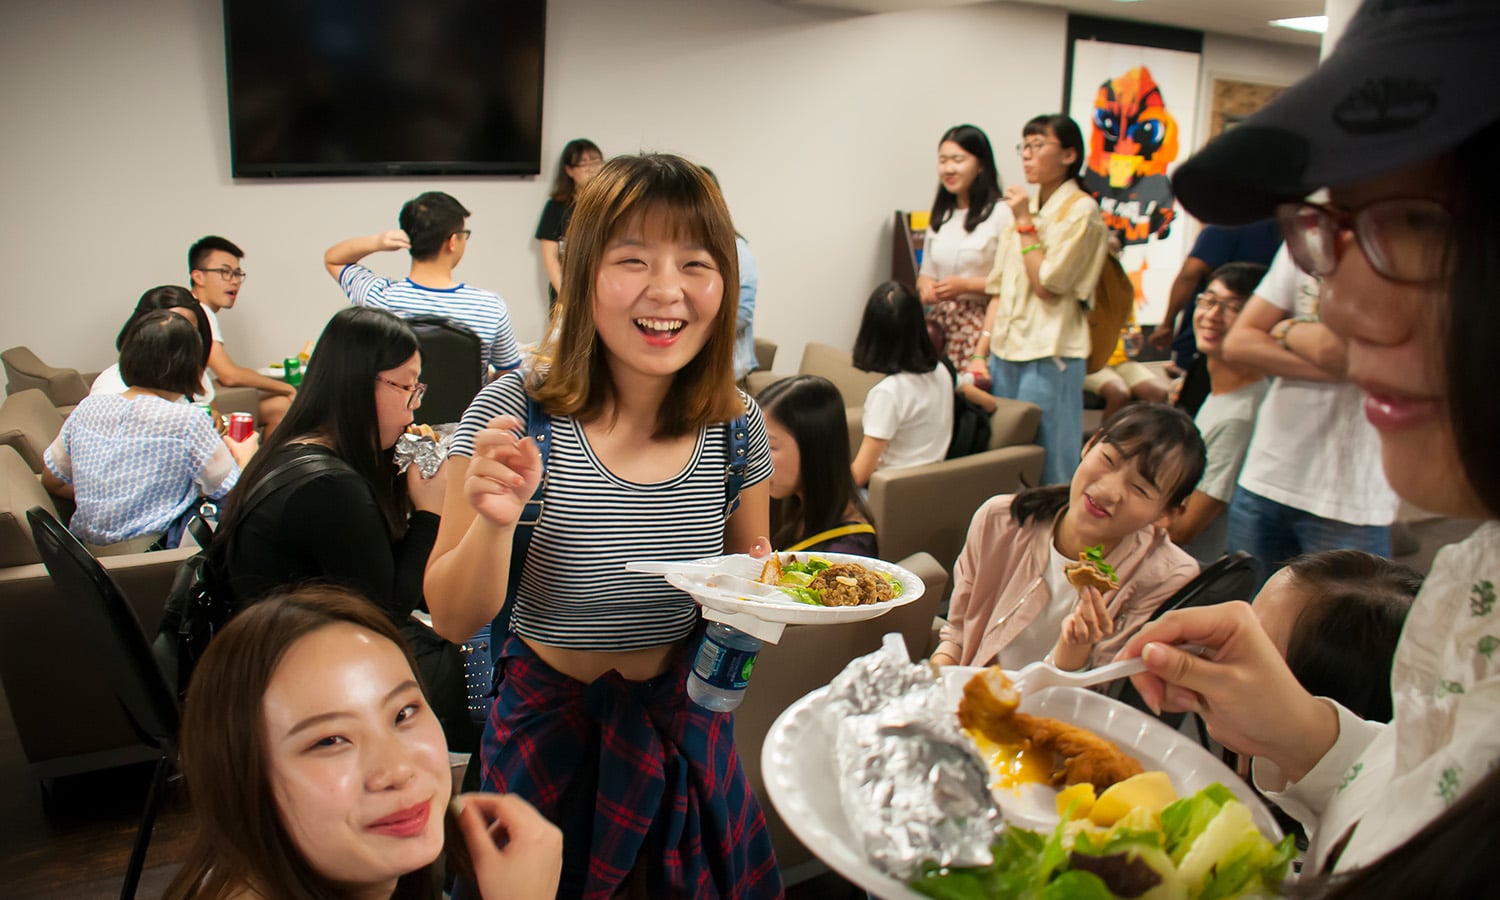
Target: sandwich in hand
point(1092, 571)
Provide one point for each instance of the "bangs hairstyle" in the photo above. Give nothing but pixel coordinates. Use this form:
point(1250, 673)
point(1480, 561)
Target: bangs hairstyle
point(1069, 137)
point(241, 841)
point(170, 296)
point(573, 152)
point(1344, 638)
point(162, 351)
point(893, 333)
point(984, 193)
point(573, 378)
point(336, 402)
point(1162, 440)
point(429, 220)
point(811, 409)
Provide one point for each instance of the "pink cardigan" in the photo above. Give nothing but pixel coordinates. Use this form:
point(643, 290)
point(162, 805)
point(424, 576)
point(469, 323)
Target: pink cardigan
point(998, 588)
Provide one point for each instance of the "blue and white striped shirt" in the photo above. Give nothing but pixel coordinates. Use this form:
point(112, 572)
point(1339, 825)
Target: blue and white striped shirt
point(481, 311)
point(574, 589)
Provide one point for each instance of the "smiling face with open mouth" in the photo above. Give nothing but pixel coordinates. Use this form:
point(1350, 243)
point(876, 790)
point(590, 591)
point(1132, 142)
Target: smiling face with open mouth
point(657, 297)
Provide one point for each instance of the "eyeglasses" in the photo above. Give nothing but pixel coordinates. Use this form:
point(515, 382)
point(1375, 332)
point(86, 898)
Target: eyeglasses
point(1033, 147)
point(227, 273)
point(1208, 301)
point(465, 232)
point(414, 391)
point(1405, 239)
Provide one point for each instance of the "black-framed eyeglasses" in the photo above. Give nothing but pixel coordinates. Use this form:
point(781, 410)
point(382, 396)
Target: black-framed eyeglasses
point(414, 392)
point(465, 232)
point(1033, 147)
point(1208, 301)
point(1405, 238)
point(227, 273)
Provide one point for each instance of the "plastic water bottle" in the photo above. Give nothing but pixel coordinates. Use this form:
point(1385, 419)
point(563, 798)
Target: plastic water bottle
point(722, 670)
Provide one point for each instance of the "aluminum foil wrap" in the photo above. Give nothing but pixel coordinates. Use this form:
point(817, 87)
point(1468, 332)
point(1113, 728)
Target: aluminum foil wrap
point(913, 786)
point(426, 453)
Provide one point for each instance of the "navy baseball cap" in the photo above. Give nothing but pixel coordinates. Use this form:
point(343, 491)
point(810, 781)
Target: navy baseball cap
point(1409, 79)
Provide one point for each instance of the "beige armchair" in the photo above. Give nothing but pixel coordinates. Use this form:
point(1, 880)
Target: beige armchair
point(65, 713)
point(927, 509)
point(29, 423)
point(24, 371)
point(808, 657)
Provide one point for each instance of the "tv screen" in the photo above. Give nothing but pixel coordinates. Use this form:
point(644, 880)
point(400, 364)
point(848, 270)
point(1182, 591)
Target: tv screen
point(384, 87)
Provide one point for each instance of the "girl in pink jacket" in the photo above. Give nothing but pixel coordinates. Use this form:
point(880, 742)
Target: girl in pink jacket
point(1012, 602)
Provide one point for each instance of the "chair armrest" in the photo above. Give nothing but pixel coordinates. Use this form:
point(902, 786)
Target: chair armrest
point(238, 399)
point(1014, 422)
point(759, 380)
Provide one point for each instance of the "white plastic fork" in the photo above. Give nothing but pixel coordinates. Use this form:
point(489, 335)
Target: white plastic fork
point(1042, 674)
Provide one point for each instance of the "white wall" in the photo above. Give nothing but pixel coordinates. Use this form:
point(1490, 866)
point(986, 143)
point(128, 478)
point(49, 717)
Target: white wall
point(819, 124)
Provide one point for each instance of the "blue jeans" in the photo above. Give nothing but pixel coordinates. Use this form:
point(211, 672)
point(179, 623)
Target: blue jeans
point(1059, 392)
point(1274, 533)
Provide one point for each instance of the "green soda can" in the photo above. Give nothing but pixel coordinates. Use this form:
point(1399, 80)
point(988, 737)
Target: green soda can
point(291, 370)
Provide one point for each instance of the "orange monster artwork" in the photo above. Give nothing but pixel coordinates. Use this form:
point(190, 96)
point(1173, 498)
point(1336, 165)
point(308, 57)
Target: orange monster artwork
point(1133, 139)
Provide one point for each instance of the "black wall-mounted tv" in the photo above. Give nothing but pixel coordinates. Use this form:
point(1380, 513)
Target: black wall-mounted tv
point(385, 87)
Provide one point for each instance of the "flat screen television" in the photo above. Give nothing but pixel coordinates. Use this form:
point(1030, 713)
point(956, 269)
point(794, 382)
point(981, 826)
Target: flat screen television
point(384, 87)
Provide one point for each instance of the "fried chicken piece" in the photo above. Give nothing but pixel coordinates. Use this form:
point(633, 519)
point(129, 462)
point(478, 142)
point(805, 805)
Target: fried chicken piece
point(1078, 755)
point(1084, 574)
point(850, 584)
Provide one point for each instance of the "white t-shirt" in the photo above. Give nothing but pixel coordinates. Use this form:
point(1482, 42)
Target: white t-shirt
point(1038, 638)
point(952, 252)
point(110, 382)
point(1226, 422)
point(915, 413)
point(213, 323)
point(1313, 449)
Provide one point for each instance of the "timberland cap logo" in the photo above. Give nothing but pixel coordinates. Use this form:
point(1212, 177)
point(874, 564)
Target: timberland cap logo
point(1386, 104)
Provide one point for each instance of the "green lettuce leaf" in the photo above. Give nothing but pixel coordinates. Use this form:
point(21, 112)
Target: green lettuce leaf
point(1095, 555)
point(1185, 819)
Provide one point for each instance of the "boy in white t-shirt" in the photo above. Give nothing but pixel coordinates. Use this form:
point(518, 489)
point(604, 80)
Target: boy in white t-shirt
point(1312, 478)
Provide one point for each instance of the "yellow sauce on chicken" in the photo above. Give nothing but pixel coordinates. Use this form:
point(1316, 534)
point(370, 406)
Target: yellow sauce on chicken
point(1014, 765)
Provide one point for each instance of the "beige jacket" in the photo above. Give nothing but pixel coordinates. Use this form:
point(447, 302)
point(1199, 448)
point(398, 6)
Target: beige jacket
point(1076, 241)
point(998, 588)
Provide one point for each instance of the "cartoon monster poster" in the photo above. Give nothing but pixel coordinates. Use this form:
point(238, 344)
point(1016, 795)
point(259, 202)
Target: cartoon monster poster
point(1135, 105)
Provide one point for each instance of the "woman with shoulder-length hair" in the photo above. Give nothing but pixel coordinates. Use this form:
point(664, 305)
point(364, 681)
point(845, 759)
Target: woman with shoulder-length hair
point(1035, 341)
point(181, 301)
point(962, 232)
point(317, 769)
point(592, 715)
point(579, 160)
point(339, 511)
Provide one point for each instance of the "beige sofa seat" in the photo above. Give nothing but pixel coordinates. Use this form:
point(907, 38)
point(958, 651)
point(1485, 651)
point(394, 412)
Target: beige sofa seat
point(806, 658)
point(29, 423)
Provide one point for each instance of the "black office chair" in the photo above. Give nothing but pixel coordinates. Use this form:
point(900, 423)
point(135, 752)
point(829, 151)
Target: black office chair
point(452, 368)
point(1231, 577)
point(112, 635)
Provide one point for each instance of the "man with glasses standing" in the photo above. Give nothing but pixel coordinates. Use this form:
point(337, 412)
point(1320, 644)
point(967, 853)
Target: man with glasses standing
point(432, 229)
point(1226, 418)
point(1312, 478)
point(214, 267)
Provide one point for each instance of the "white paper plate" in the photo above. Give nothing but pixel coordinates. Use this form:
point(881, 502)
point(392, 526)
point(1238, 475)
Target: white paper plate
point(793, 613)
point(797, 765)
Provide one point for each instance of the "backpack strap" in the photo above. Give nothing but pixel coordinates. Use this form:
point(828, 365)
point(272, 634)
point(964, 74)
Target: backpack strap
point(539, 429)
point(830, 534)
point(737, 441)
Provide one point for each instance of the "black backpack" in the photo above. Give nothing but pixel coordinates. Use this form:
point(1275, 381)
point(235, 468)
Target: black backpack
point(198, 604)
point(971, 424)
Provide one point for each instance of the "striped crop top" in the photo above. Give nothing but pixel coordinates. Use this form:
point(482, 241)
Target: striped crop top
point(574, 590)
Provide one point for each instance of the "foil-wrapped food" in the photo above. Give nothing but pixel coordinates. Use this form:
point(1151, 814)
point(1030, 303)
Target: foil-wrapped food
point(424, 446)
point(913, 786)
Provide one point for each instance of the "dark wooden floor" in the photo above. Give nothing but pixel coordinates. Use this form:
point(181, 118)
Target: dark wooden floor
point(71, 842)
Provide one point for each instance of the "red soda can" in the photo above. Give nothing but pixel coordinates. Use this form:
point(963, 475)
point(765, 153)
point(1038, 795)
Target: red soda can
point(241, 426)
